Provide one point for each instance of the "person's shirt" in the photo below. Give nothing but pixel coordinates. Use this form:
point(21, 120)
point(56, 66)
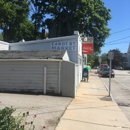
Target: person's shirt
point(89, 68)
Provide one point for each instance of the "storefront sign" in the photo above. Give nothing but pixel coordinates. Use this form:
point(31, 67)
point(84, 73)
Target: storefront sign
point(69, 46)
point(87, 48)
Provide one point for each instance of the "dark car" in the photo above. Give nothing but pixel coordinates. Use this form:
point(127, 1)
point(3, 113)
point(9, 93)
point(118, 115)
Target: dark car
point(106, 71)
point(119, 68)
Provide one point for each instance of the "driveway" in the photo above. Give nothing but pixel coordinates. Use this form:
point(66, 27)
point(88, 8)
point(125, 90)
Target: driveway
point(48, 109)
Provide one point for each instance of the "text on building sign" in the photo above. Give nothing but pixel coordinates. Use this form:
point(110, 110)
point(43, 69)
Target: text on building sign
point(69, 46)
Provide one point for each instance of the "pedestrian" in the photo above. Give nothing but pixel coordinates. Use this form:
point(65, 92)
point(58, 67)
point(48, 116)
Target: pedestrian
point(89, 69)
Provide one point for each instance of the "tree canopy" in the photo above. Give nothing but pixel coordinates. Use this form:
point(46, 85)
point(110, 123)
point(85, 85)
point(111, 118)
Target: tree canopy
point(87, 16)
point(14, 21)
point(62, 17)
point(104, 58)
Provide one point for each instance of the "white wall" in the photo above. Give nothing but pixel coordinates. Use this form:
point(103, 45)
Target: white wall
point(28, 76)
point(4, 45)
point(73, 45)
point(66, 57)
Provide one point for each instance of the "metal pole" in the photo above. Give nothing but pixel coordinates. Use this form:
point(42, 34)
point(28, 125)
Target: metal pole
point(44, 80)
point(110, 79)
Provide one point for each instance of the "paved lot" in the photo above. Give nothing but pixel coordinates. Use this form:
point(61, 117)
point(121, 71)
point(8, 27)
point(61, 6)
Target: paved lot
point(48, 109)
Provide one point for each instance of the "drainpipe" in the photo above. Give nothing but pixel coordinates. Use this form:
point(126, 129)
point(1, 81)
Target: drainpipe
point(59, 76)
point(44, 80)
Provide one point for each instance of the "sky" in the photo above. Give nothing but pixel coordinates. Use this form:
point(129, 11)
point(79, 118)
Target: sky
point(119, 25)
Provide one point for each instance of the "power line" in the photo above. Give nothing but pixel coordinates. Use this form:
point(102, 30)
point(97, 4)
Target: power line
point(121, 31)
point(118, 40)
point(116, 43)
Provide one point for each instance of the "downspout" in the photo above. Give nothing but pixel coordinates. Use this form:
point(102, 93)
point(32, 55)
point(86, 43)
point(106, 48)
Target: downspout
point(44, 80)
point(59, 76)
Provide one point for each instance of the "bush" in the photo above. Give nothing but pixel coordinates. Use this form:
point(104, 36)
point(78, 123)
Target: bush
point(7, 122)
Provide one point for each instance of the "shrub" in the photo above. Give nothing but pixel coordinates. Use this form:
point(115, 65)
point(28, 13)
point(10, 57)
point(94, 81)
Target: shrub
point(7, 121)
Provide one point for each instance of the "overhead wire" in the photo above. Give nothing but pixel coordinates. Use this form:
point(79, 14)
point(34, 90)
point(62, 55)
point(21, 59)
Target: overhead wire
point(118, 39)
point(112, 42)
point(121, 31)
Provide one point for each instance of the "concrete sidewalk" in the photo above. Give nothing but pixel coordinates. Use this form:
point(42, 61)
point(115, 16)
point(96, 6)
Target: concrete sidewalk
point(92, 109)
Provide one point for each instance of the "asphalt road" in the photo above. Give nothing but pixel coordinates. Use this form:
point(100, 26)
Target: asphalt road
point(120, 90)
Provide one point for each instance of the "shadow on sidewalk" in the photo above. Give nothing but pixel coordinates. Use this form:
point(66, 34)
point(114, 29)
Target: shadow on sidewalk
point(106, 98)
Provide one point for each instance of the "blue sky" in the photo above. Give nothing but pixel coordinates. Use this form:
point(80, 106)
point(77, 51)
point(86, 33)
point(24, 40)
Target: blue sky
point(120, 12)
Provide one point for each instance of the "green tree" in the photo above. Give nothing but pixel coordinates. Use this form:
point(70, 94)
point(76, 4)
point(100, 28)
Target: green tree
point(104, 58)
point(1, 36)
point(14, 21)
point(87, 16)
point(93, 60)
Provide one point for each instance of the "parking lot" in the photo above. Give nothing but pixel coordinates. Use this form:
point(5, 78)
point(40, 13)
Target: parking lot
point(48, 109)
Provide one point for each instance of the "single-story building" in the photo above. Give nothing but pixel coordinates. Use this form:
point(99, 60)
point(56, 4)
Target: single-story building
point(47, 71)
point(73, 45)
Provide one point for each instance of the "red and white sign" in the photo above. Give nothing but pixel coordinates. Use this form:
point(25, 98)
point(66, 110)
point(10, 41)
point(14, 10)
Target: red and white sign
point(87, 48)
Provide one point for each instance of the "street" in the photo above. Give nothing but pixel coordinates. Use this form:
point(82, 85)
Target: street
point(120, 90)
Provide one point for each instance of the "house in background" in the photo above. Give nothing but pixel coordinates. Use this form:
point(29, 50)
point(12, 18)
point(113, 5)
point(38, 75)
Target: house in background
point(126, 58)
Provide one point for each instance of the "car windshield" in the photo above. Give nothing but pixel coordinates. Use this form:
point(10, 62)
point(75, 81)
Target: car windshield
point(107, 69)
point(104, 66)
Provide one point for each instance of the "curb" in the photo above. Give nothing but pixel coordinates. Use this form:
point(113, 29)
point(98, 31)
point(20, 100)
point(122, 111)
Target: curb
point(107, 89)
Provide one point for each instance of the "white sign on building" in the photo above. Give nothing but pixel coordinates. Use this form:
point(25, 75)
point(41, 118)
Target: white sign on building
point(69, 45)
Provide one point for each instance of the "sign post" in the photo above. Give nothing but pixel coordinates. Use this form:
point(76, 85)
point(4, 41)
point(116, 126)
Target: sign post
point(110, 57)
point(100, 60)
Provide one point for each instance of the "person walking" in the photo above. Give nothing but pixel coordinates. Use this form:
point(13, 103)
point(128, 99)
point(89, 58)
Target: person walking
point(89, 69)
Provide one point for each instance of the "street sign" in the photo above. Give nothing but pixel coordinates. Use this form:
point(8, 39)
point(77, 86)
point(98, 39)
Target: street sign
point(111, 55)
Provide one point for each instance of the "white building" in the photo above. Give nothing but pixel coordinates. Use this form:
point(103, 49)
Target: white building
point(73, 45)
point(126, 59)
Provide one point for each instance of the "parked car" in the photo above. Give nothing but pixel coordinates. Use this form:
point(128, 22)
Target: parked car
point(95, 67)
point(106, 72)
point(119, 68)
point(104, 66)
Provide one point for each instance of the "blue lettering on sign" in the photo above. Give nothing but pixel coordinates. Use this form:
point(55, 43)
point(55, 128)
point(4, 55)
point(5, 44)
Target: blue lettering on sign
point(58, 48)
point(63, 43)
point(70, 43)
point(53, 48)
point(70, 46)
